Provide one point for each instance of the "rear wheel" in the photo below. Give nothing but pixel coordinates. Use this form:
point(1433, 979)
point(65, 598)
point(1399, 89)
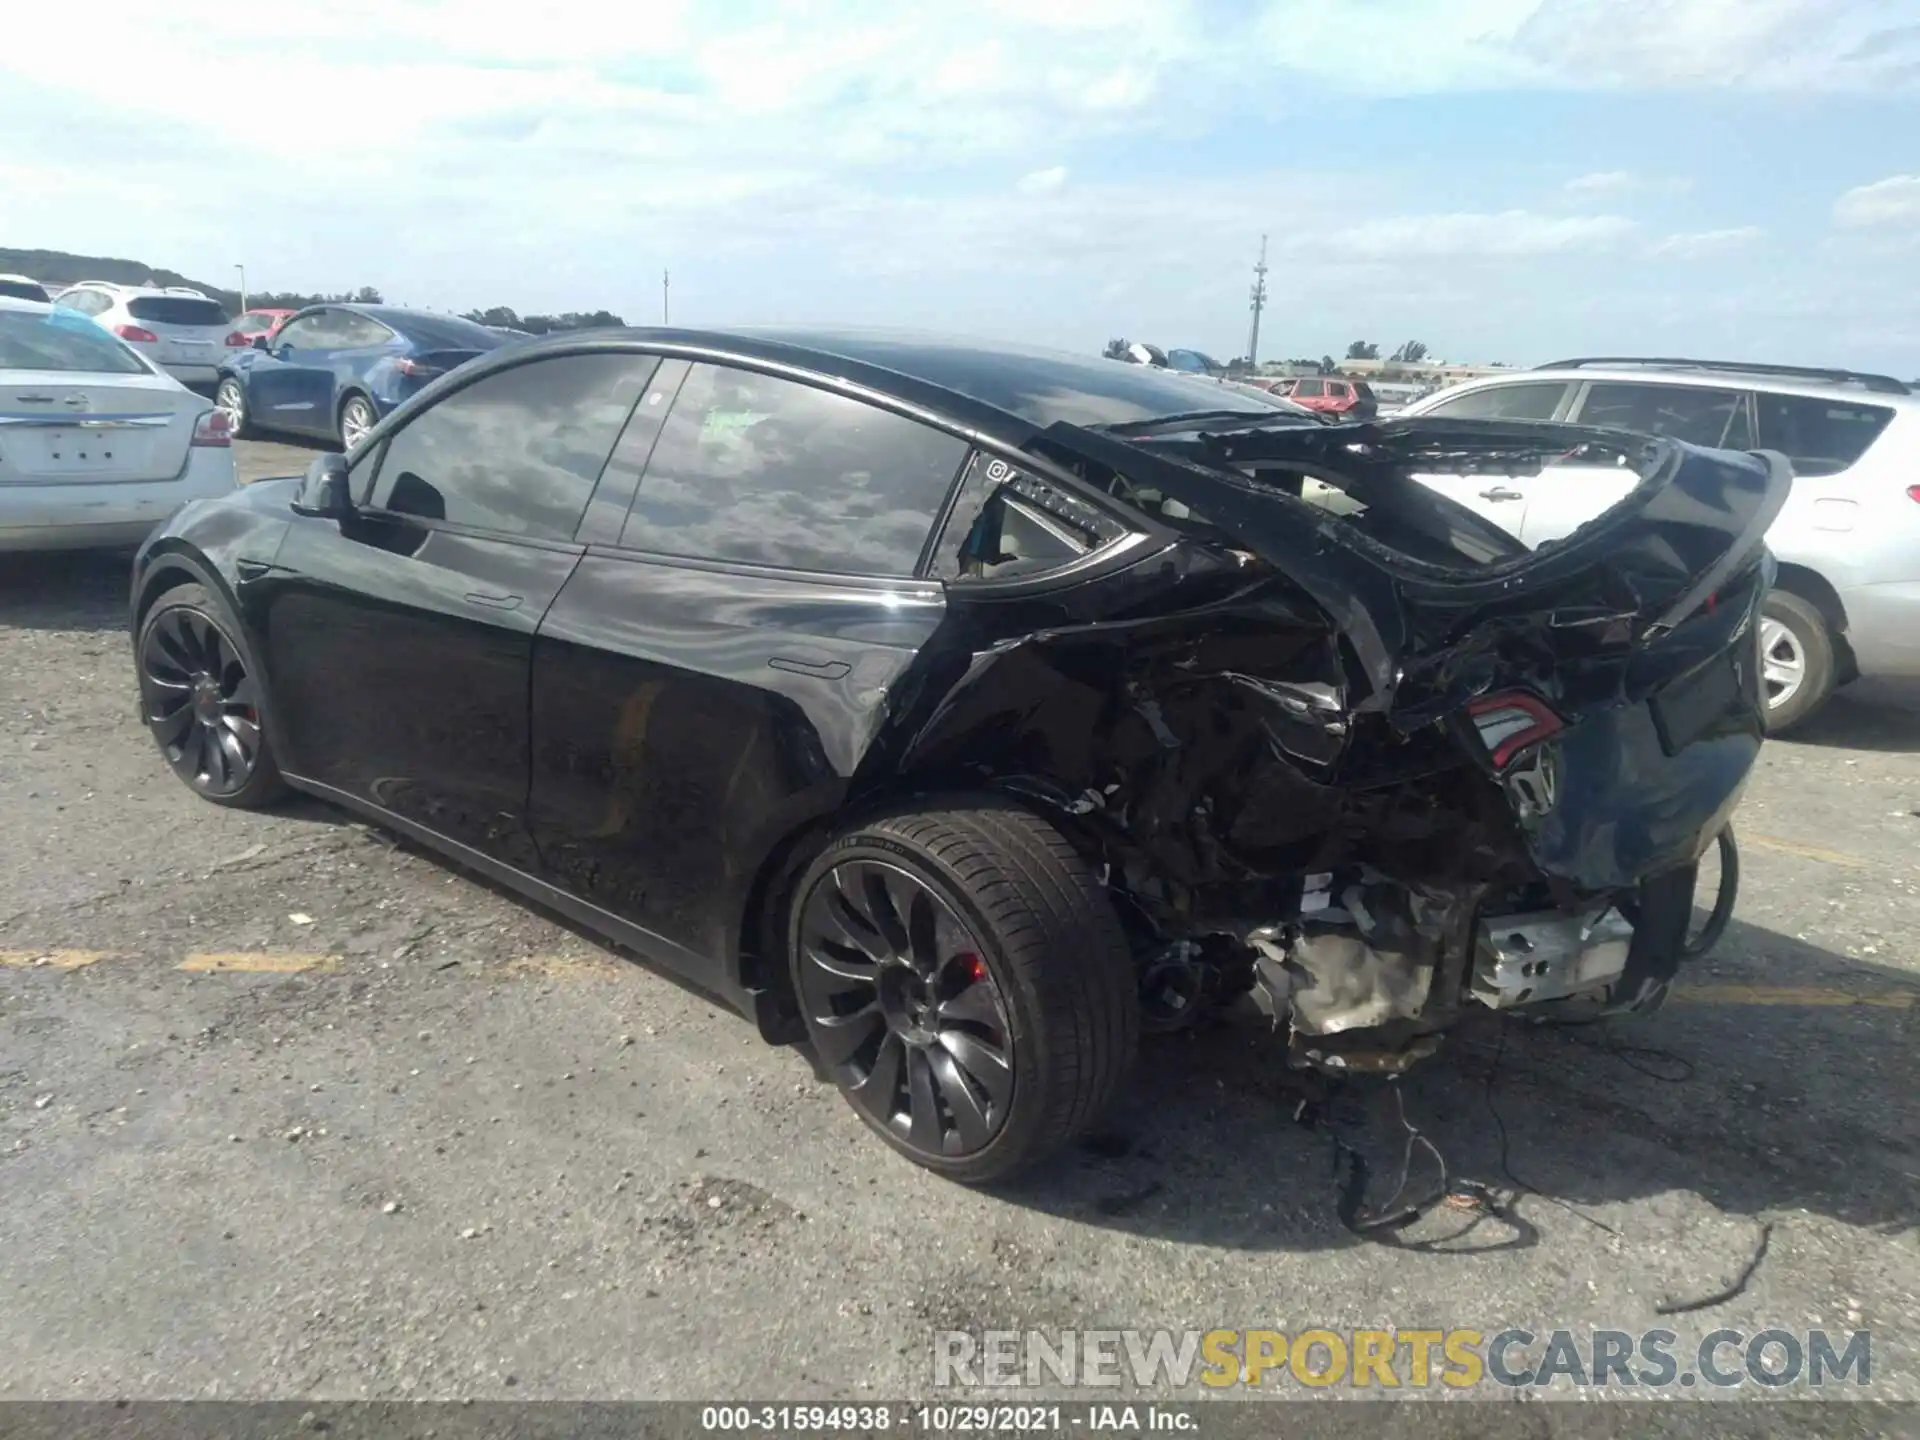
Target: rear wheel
point(356, 419)
point(202, 701)
point(230, 397)
point(1796, 659)
point(964, 980)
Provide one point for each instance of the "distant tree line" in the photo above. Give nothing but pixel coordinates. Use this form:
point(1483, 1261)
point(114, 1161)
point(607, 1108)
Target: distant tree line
point(504, 318)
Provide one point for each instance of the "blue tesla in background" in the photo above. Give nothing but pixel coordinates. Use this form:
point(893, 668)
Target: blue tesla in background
point(333, 370)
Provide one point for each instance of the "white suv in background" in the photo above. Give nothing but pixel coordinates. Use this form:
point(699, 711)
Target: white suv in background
point(180, 330)
point(1847, 599)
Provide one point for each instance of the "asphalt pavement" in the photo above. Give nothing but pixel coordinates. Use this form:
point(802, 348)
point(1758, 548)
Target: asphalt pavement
point(289, 1109)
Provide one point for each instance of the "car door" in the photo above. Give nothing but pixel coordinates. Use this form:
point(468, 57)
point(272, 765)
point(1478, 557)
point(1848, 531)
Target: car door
point(1561, 498)
point(716, 667)
point(399, 641)
point(288, 386)
point(1503, 499)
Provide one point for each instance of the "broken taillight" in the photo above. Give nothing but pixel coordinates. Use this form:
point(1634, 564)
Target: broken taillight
point(1511, 722)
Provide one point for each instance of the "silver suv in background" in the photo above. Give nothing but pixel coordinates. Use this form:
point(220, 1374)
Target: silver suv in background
point(179, 329)
point(1847, 599)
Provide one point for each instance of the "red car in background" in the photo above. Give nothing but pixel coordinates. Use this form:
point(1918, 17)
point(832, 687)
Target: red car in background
point(1348, 399)
point(260, 322)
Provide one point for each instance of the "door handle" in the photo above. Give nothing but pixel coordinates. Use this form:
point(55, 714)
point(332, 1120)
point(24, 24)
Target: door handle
point(819, 669)
point(494, 602)
point(1500, 492)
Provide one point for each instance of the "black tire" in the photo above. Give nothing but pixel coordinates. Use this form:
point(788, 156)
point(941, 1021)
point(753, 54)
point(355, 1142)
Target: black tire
point(230, 395)
point(203, 701)
point(1051, 949)
point(352, 405)
point(1806, 629)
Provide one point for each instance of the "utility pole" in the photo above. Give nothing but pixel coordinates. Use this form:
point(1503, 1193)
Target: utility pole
point(665, 313)
point(243, 284)
point(1259, 304)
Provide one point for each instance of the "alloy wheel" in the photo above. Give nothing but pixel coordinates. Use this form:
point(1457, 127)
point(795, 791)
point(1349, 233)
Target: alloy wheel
point(200, 702)
point(355, 421)
point(232, 403)
point(1783, 662)
point(903, 1009)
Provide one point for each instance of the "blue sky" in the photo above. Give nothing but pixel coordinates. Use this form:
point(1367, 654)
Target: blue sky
point(1510, 180)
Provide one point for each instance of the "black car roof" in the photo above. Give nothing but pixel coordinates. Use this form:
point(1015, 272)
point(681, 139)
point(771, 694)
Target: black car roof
point(991, 385)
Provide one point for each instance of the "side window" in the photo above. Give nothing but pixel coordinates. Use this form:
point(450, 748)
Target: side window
point(87, 302)
point(755, 468)
point(355, 332)
point(1820, 436)
point(1534, 401)
point(1693, 413)
point(1008, 522)
point(1304, 389)
point(518, 452)
point(302, 334)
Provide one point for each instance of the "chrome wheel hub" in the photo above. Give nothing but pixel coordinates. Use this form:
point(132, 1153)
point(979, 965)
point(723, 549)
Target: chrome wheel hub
point(1783, 662)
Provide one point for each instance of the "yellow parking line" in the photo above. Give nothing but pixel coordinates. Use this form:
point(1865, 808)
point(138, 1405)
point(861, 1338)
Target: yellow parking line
point(1805, 852)
point(55, 959)
point(256, 962)
point(1810, 995)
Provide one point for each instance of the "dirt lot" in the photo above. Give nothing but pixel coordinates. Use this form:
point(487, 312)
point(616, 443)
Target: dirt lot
point(286, 1109)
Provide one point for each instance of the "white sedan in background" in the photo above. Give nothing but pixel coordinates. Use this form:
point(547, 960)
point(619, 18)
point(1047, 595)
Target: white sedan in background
point(97, 445)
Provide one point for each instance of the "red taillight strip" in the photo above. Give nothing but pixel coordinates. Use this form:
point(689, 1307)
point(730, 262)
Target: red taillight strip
point(1544, 722)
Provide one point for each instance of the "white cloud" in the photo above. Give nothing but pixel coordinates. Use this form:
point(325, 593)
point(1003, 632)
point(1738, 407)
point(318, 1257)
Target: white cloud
point(1508, 233)
point(1703, 244)
point(1039, 182)
point(1603, 182)
point(1892, 201)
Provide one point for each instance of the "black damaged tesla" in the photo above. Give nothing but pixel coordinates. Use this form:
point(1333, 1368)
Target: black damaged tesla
point(966, 709)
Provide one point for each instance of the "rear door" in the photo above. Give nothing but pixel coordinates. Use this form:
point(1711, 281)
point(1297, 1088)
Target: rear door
point(1486, 490)
point(713, 673)
point(400, 640)
point(1563, 497)
point(77, 407)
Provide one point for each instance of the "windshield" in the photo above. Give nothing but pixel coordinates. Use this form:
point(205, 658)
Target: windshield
point(23, 290)
point(61, 340)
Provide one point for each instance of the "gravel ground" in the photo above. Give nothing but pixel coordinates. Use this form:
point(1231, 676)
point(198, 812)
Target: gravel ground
point(289, 1110)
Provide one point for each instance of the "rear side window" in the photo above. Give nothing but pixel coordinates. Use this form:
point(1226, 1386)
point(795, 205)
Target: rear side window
point(1692, 413)
point(1534, 401)
point(1306, 389)
point(176, 310)
point(1821, 437)
point(87, 302)
point(57, 341)
point(518, 452)
point(754, 468)
point(1008, 522)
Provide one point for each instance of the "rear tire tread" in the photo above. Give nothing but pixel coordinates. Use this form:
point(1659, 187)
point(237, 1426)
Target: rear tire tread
point(1053, 930)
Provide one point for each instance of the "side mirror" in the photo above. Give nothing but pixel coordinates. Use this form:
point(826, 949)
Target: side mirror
point(259, 342)
point(325, 492)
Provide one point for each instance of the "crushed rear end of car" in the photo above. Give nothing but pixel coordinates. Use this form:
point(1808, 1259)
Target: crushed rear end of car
point(1339, 744)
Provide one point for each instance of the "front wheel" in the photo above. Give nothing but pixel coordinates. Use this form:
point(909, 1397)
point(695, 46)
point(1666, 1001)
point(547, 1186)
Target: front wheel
point(965, 981)
point(1796, 659)
point(230, 398)
point(202, 701)
point(356, 419)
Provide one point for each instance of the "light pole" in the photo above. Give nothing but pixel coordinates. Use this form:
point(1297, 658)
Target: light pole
point(243, 284)
point(665, 314)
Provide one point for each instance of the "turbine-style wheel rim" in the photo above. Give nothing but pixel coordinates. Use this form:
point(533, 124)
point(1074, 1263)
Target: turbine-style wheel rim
point(355, 421)
point(200, 702)
point(903, 1010)
point(231, 403)
point(1783, 662)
